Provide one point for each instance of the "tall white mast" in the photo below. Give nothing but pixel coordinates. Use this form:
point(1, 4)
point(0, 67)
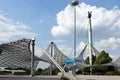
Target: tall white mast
point(74, 3)
point(90, 41)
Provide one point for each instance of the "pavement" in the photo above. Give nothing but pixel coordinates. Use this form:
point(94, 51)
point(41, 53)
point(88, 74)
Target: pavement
point(97, 77)
point(4, 77)
point(78, 77)
point(91, 77)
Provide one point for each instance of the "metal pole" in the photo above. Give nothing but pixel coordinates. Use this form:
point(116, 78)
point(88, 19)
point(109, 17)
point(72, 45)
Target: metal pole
point(90, 41)
point(74, 3)
point(51, 57)
point(32, 57)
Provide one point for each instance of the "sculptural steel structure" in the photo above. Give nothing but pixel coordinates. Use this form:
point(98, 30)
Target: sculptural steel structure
point(58, 56)
point(17, 55)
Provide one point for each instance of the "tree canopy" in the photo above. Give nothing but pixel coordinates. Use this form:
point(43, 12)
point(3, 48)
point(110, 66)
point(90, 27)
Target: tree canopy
point(102, 58)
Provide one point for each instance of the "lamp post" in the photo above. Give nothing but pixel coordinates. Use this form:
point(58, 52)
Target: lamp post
point(74, 3)
point(32, 57)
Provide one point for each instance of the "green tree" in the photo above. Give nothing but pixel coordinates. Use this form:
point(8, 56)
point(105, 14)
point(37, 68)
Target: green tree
point(39, 71)
point(103, 58)
point(87, 59)
point(55, 71)
point(1, 50)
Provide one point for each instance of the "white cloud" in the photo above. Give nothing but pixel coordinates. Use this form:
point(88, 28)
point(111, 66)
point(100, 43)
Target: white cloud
point(21, 25)
point(10, 29)
point(59, 29)
point(108, 44)
point(105, 23)
point(81, 46)
point(105, 26)
point(38, 51)
point(64, 22)
point(114, 57)
point(70, 51)
point(67, 51)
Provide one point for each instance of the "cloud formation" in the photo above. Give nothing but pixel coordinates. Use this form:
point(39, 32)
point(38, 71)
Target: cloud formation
point(108, 44)
point(10, 29)
point(105, 24)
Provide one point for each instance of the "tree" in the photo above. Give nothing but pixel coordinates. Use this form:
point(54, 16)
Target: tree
point(39, 71)
point(55, 71)
point(103, 58)
point(87, 59)
point(1, 50)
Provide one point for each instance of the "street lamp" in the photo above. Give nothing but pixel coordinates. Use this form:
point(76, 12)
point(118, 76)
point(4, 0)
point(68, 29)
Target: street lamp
point(32, 57)
point(74, 3)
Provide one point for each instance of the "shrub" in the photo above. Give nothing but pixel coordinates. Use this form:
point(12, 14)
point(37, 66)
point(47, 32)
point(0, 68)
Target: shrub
point(55, 71)
point(113, 73)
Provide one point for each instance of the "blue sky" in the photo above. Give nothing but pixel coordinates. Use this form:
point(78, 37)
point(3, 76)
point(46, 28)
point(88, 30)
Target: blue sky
point(40, 15)
point(51, 20)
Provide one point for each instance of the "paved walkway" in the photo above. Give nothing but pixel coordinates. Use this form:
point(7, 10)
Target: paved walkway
point(78, 77)
point(97, 77)
point(29, 78)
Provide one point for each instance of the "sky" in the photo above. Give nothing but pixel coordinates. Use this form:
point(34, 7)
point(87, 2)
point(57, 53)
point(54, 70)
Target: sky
point(52, 20)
